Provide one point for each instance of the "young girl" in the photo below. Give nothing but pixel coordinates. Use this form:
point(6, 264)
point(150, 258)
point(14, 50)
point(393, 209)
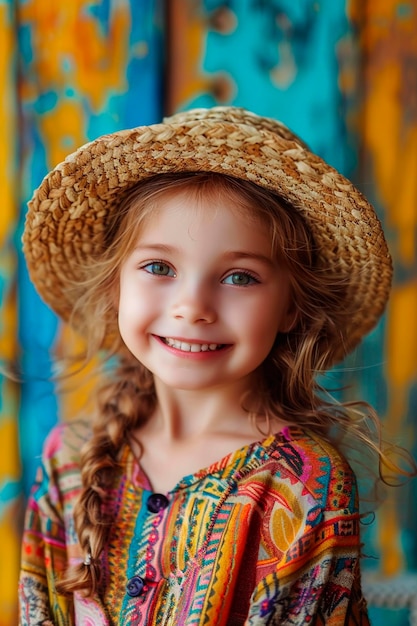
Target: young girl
point(221, 266)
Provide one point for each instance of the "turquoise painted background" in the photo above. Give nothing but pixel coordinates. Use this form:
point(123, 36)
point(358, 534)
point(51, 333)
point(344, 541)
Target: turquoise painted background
point(342, 74)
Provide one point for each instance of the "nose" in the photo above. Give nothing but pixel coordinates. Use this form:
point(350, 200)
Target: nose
point(194, 303)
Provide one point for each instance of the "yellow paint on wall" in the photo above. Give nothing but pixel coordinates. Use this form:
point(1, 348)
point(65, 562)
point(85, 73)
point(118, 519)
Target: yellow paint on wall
point(77, 390)
point(402, 335)
point(401, 358)
point(8, 341)
point(187, 39)
point(73, 53)
point(393, 146)
point(389, 127)
point(7, 127)
point(62, 130)
point(9, 458)
point(11, 514)
point(404, 199)
point(393, 560)
point(9, 537)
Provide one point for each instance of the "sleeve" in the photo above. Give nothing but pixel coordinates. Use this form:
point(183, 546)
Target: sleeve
point(44, 550)
point(317, 581)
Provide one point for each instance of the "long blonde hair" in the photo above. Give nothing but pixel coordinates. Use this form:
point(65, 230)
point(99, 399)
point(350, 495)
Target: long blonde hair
point(287, 380)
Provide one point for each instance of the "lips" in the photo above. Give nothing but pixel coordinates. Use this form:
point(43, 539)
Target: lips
point(184, 346)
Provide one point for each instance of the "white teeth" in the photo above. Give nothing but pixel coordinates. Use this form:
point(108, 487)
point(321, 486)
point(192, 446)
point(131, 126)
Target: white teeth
point(191, 347)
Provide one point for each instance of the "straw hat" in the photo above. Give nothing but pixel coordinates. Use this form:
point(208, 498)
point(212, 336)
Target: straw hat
point(68, 213)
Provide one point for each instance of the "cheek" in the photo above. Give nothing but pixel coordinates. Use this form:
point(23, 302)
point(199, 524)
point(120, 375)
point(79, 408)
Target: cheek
point(264, 333)
point(129, 310)
point(266, 316)
point(138, 310)
point(268, 332)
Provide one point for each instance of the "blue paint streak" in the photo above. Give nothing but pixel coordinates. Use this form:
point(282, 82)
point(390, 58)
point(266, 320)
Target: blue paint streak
point(38, 408)
point(101, 13)
point(142, 101)
point(310, 103)
point(45, 102)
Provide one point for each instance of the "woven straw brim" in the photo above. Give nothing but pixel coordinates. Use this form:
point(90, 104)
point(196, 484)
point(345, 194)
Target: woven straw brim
point(68, 213)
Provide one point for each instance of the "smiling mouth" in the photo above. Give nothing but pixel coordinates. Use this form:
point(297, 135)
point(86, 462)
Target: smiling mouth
point(192, 347)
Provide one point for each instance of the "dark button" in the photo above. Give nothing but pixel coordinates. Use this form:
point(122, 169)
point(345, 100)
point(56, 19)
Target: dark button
point(135, 586)
point(157, 502)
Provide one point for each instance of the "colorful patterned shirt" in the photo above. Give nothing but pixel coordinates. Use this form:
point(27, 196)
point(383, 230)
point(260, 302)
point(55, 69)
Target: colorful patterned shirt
point(267, 535)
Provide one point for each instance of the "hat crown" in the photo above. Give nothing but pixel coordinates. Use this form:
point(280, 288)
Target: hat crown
point(235, 115)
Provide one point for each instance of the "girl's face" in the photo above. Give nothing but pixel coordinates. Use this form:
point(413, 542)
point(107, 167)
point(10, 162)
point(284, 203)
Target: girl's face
point(201, 297)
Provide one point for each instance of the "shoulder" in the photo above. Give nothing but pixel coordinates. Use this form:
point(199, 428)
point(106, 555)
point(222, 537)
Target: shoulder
point(316, 464)
point(58, 479)
point(61, 455)
point(66, 440)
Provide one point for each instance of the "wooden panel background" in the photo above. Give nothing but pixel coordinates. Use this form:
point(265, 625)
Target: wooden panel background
point(343, 74)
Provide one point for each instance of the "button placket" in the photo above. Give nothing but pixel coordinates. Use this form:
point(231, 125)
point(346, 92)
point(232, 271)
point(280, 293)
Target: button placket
point(156, 504)
point(137, 585)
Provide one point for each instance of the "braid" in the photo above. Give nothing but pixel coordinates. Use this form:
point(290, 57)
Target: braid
point(124, 404)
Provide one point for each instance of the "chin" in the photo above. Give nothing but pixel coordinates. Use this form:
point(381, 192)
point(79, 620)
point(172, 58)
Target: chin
point(185, 384)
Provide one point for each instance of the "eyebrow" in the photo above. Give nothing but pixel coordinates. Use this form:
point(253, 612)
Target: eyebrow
point(241, 254)
point(159, 247)
point(232, 255)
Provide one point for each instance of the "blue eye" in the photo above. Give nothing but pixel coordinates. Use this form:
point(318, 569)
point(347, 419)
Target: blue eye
point(159, 269)
point(240, 279)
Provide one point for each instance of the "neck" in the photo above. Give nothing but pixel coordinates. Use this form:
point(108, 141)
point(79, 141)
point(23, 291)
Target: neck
point(183, 414)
